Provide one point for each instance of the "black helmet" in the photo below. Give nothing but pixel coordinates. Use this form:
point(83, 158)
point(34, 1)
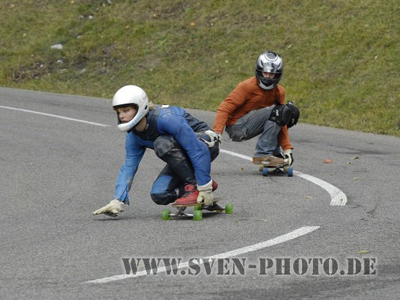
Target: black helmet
point(269, 62)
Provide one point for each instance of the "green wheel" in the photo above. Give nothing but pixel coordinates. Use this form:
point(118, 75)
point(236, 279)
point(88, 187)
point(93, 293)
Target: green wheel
point(165, 214)
point(197, 215)
point(229, 208)
point(285, 168)
point(198, 207)
point(260, 168)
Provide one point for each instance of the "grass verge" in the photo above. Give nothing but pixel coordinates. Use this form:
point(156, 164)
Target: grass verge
point(341, 56)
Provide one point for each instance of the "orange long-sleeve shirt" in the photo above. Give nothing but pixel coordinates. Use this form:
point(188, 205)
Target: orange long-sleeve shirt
point(246, 97)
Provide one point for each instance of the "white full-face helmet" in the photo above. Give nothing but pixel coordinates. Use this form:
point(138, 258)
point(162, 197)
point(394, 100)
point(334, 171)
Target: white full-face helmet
point(131, 95)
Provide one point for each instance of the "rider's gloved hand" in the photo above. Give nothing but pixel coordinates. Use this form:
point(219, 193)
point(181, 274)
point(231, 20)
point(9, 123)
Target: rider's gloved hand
point(111, 209)
point(215, 138)
point(206, 196)
point(288, 157)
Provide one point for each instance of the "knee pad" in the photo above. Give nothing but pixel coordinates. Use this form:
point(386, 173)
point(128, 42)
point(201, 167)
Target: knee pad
point(161, 193)
point(286, 114)
point(163, 199)
point(203, 136)
point(164, 144)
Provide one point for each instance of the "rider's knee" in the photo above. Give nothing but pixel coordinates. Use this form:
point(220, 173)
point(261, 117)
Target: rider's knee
point(163, 144)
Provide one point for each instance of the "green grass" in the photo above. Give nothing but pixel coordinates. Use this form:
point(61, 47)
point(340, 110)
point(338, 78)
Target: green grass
point(342, 57)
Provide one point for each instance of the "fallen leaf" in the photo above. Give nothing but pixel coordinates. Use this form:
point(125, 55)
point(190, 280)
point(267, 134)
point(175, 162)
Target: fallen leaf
point(356, 157)
point(363, 252)
point(327, 161)
point(192, 23)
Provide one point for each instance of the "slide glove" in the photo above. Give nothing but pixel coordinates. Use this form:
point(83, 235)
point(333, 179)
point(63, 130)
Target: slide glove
point(206, 196)
point(288, 157)
point(111, 209)
point(215, 137)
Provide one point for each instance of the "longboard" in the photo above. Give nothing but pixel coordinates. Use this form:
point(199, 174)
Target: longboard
point(198, 209)
point(264, 169)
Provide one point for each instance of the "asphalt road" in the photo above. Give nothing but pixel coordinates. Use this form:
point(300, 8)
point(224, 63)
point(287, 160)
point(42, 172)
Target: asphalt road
point(56, 171)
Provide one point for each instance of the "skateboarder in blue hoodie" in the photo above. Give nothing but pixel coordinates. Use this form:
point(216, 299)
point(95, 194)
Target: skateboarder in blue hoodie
point(186, 144)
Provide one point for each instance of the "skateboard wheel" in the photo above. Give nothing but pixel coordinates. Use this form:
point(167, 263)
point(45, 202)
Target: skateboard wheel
point(198, 207)
point(265, 171)
point(166, 214)
point(285, 168)
point(229, 208)
point(290, 172)
point(197, 215)
point(260, 168)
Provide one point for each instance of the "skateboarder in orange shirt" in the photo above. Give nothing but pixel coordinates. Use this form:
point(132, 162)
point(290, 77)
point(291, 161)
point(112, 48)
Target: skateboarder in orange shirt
point(257, 107)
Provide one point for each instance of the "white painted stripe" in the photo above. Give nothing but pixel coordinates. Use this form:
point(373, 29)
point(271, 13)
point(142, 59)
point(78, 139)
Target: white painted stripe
point(338, 198)
point(237, 154)
point(54, 116)
point(278, 240)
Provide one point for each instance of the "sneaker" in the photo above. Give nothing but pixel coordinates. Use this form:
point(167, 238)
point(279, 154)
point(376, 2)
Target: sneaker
point(214, 185)
point(269, 160)
point(189, 197)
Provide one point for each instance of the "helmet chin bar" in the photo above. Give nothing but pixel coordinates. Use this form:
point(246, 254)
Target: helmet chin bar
point(264, 87)
point(132, 123)
point(126, 126)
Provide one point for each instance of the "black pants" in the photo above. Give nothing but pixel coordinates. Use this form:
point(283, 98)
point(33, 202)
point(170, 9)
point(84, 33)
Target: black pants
point(178, 172)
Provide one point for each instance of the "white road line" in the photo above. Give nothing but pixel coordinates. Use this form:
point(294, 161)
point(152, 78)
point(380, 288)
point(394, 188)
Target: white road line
point(278, 240)
point(338, 198)
point(53, 116)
